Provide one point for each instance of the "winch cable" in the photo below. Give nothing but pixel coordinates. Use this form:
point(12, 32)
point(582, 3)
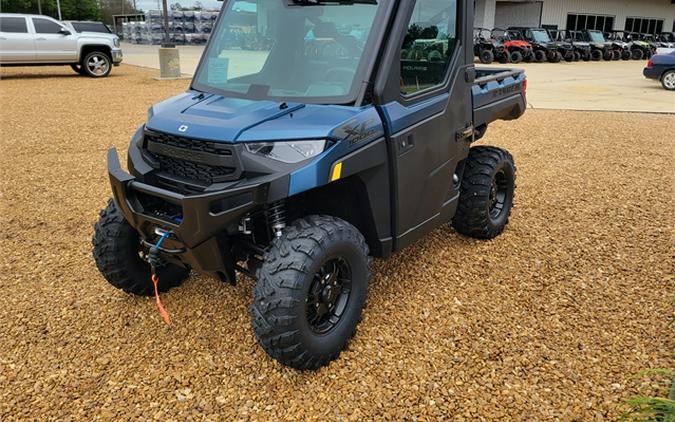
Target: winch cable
point(155, 261)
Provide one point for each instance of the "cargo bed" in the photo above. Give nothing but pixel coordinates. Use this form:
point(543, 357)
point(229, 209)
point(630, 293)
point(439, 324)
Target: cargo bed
point(498, 94)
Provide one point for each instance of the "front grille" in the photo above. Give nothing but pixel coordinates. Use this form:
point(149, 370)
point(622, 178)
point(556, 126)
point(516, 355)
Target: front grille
point(196, 160)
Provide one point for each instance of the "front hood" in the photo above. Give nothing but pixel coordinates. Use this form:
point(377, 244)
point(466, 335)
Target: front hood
point(97, 35)
point(222, 119)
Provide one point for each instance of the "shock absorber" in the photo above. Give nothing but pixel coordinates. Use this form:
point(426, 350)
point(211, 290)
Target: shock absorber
point(276, 214)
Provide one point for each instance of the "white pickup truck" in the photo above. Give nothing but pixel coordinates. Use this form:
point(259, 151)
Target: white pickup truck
point(35, 40)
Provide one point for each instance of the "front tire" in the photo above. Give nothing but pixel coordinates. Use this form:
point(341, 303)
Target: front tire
point(637, 54)
point(117, 252)
point(626, 55)
point(596, 55)
point(486, 193)
point(97, 64)
point(77, 69)
point(311, 289)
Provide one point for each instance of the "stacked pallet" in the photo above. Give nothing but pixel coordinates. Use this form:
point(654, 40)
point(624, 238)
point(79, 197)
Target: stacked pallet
point(185, 28)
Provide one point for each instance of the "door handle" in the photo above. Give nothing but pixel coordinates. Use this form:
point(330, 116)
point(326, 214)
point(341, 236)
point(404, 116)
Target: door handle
point(41, 39)
point(3, 39)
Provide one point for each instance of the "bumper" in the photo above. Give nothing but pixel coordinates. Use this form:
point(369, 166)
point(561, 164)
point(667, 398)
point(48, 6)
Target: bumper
point(117, 56)
point(652, 73)
point(196, 222)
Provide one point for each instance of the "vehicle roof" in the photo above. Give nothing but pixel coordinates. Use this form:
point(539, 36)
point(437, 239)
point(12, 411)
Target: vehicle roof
point(84, 21)
point(26, 15)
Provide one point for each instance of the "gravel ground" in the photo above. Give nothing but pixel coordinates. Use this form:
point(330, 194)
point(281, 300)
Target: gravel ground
point(550, 321)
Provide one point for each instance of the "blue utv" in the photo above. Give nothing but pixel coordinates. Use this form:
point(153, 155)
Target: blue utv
point(346, 137)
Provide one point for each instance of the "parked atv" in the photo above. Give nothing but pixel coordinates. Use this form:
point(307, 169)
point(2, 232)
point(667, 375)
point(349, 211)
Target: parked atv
point(299, 172)
point(598, 47)
point(542, 42)
point(667, 39)
point(613, 49)
point(488, 49)
point(582, 49)
point(653, 42)
point(633, 48)
point(518, 49)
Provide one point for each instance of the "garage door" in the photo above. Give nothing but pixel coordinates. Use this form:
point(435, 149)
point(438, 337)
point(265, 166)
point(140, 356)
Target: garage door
point(509, 13)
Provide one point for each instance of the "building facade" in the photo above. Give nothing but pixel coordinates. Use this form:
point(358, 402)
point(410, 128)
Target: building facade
point(644, 16)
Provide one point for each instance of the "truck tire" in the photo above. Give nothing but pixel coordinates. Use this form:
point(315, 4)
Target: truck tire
point(596, 55)
point(539, 56)
point(486, 56)
point(117, 252)
point(310, 292)
point(97, 64)
point(637, 54)
point(516, 57)
point(668, 80)
point(486, 193)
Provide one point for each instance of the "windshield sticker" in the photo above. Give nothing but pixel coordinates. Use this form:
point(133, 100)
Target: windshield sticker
point(218, 67)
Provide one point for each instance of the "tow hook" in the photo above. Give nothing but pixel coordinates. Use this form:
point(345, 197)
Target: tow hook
point(155, 261)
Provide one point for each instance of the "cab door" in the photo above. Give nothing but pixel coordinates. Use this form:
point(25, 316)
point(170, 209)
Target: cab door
point(54, 42)
point(426, 103)
point(16, 41)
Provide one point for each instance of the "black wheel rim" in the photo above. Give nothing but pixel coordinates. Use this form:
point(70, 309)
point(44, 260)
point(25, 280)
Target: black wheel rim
point(498, 194)
point(328, 295)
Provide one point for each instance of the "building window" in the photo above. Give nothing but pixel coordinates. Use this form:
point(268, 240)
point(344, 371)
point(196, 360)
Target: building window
point(644, 25)
point(577, 22)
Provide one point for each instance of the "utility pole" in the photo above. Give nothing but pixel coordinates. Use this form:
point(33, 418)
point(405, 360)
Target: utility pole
point(39, 7)
point(58, 7)
point(166, 23)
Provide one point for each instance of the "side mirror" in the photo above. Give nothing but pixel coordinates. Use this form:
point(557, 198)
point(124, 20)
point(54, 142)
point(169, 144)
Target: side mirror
point(64, 31)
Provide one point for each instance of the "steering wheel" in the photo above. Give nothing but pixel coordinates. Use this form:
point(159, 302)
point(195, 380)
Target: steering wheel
point(340, 74)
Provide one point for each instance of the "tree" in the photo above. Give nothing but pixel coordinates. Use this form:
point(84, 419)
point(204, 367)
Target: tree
point(115, 7)
point(70, 9)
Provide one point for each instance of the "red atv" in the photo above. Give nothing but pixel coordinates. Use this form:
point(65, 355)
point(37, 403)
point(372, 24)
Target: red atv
point(518, 49)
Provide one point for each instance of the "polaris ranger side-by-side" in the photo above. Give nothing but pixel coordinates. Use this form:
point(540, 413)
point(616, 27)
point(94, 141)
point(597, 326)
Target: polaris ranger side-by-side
point(294, 165)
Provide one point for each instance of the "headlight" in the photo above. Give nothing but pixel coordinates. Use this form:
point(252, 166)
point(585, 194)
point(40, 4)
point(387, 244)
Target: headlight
point(116, 42)
point(289, 151)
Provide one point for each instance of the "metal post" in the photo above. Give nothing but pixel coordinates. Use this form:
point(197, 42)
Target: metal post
point(39, 7)
point(58, 7)
point(166, 24)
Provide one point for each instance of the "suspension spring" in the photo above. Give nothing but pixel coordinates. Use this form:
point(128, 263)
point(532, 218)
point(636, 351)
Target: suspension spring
point(277, 217)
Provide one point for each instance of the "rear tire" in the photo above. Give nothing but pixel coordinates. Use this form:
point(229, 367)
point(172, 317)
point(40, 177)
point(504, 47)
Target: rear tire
point(668, 80)
point(486, 56)
point(516, 57)
point(486, 193)
point(616, 55)
point(608, 55)
point(97, 64)
point(117, 254)
point(626, 55)
point(556, 57)
point(539, 56)
point(311, 289)
point(637, 54)
point(596, 55)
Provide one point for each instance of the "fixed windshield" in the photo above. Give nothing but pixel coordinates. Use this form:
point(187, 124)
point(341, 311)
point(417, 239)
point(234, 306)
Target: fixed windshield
point(275, 49)
point(540, 35)
point(596, 36)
